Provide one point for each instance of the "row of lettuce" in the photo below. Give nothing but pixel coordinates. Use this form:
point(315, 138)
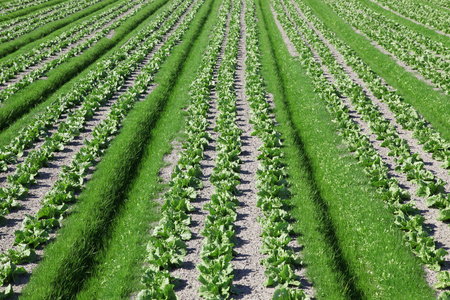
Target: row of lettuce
point(92, 92)
point(79, 38)
point(428, 185)
point(280, 260)
point(167, 247)
point(12, 6)
point(421, 12)
point(36, 229)
point(428, 57)
point(407, 216)
point(406, 115)
point(216, 269)
point(13, 29)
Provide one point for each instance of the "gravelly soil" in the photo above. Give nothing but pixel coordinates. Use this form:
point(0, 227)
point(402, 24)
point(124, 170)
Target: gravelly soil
point(249, 273)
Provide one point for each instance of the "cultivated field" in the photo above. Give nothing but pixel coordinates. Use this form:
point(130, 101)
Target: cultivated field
point(225, 149)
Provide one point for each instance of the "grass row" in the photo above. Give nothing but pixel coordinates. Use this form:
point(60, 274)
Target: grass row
point(14, 45)
point(127, 246)
point(418, 27)
point(73, 257)
point(10, 133)
point(433, 105)
point(351, 249)
point(430, 33)
point(24, 100)
point(29, 46)
point(27, 10)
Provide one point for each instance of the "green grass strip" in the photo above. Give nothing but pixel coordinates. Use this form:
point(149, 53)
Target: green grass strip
point(14, 45)
point(7, 135)
point(351, 249)
point(430, 33)
point(121, 262)
point(433, 105)
point(27, 10)
point(28, 47)
point(320, 258)
point(24, 100)
point(71, 259)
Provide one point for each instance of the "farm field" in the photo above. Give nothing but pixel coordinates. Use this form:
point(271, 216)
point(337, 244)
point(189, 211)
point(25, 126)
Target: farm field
point(225, 149)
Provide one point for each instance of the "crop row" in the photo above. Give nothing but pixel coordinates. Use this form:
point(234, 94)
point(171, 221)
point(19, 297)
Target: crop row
point(7, 24)
point(40, 125)
point(410, 36)
point(74, 51)
point(26, 172)
point(166, 248)
point(429, 187)
point(35, 231)
point(216, 269)
point(409, 118)
point(20, 63)
point(442, 3)
point(412, 165)
point(407, 217)
point(423, 13)
point(281, 260)
point(431, 65)
point(12, 6)
point(10, 32)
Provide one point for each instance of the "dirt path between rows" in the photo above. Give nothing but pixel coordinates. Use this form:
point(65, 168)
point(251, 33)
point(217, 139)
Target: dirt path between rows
point(249, 273)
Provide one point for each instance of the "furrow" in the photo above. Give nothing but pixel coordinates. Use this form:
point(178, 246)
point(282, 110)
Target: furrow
point(249, 273)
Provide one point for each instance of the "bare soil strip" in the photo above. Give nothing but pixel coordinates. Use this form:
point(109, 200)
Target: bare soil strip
point(409, 19)
point(63, 51)
point(49, 174)
point(188, 273)
point(439, 230)
point(249, 273)
point(170, 161)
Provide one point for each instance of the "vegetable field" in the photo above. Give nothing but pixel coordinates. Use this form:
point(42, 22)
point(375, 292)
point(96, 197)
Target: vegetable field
point(225, 149)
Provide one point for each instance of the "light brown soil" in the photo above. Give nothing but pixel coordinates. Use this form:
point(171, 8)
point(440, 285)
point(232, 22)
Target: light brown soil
point(249, 273)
